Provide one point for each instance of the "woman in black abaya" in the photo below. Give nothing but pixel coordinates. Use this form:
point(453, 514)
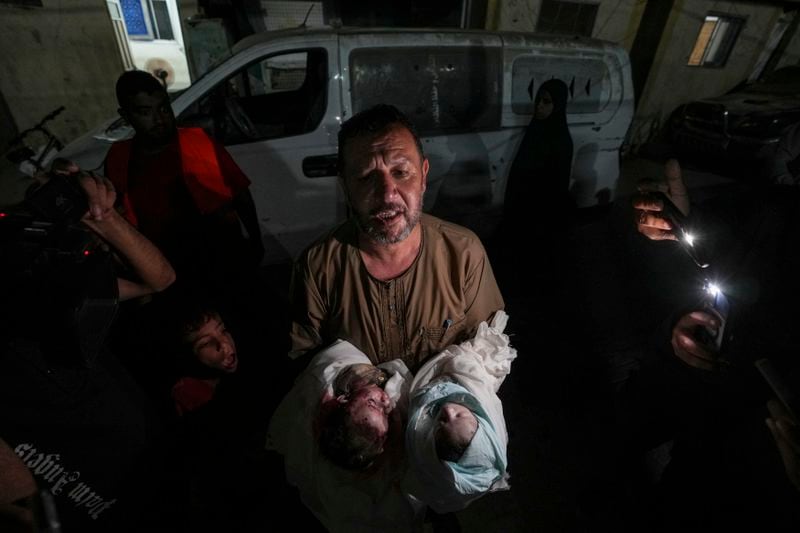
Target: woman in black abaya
point(538, 207)
point(540, 173)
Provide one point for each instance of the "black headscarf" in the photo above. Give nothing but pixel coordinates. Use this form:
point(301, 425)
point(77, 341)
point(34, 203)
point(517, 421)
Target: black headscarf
point(541, 169)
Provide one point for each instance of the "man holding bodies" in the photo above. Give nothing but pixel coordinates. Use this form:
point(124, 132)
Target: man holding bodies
point(392, 281)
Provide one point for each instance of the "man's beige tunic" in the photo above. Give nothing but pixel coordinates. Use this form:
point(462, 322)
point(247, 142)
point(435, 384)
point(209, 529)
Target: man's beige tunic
point(438, 301)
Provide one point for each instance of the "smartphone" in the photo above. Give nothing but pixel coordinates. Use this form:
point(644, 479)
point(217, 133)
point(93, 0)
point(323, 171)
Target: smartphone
point(680, 225)
point(781, 389)
point(717, 303)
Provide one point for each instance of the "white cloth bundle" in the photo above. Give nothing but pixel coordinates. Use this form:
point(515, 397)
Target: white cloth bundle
point(479, 366)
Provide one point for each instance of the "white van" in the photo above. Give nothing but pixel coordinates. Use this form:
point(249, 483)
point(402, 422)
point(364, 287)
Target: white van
point(277, 103)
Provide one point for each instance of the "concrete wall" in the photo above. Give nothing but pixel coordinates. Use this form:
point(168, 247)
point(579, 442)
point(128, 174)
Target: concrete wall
point(616, 21)
point(672, 82)
point(63, 53)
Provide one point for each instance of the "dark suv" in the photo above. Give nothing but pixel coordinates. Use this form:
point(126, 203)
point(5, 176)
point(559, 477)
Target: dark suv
point(744, 125)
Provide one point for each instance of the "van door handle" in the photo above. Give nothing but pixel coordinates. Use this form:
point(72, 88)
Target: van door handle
point(319, 166)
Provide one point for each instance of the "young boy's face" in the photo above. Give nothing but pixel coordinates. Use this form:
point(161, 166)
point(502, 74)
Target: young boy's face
point(213, 345)
point(456, 423)
point(370, 406)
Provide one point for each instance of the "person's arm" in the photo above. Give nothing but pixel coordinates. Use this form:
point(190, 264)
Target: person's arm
point(307, 311)
point(147, 262)
point(482, 295)
point(17, 488)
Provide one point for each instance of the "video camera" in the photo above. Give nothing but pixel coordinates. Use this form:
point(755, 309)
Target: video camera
point(61, 200)
point(44, 231)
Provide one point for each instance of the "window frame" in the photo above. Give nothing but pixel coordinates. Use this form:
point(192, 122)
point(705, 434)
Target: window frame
point(243, 69)
point(732, 36)
point(575, 105)
point(150, 23)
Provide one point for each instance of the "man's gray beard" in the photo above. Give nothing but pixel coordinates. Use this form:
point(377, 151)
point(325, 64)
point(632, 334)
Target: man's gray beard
point(380, 237)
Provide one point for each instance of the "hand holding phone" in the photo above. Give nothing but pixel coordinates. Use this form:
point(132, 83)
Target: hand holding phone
point(716, 303)
point(689, 344)
point(680, 227)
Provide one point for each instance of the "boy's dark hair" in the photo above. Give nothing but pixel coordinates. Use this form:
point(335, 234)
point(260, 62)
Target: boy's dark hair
point(345, 444)
point(448, 450)
point(370, 122)
point(133, 82)
point(183, 313)
point(194, 319)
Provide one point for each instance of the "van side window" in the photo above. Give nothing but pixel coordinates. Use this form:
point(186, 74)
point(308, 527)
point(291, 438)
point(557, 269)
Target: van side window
point(276, 96)
point(588, 79)
point(443, 89)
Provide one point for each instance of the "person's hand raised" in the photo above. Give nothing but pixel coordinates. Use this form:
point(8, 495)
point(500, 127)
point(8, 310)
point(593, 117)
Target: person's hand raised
point(100, 195)
point(647, 208)
point(687, 342)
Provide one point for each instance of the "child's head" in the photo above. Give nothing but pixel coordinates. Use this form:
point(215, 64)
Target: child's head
point(354, 427)
point(456, 425)
point(208, 341)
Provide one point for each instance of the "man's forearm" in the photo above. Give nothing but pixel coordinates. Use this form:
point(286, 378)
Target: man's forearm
point(144, 258)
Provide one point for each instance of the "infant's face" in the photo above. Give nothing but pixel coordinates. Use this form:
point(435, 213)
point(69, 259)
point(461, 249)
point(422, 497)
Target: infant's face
point(370, 406)
point(456, 423)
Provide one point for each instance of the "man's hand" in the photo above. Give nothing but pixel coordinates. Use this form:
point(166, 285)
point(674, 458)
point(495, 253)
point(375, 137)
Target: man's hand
point(100, 195)
point(688, 347)
point(649, 221)
point(787, 437)
point(145, 260)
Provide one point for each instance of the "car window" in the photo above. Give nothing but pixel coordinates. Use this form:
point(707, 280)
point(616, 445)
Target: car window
point(589, 82)
point(441, 89)
point(276, 96)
